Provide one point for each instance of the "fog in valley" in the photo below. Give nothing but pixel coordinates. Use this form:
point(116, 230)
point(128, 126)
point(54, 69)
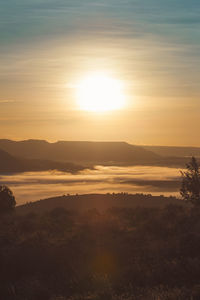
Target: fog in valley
point(32, 186)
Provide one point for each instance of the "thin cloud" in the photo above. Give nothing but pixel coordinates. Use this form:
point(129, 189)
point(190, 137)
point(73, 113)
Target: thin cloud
point(7, 101)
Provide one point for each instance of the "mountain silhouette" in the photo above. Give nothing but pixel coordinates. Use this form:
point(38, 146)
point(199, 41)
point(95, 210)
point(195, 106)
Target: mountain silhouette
point(173, 151)
point(11, 164)
point(79, 152)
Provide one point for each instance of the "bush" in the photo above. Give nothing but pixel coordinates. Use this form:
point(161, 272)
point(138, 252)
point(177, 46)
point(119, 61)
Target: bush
point(7, 200)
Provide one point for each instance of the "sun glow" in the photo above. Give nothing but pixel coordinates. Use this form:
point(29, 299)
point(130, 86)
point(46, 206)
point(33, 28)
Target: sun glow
point(100, 93)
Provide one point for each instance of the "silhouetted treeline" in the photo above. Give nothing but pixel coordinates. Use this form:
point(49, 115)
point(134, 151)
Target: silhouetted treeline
point(82, 202)
point(121, 253)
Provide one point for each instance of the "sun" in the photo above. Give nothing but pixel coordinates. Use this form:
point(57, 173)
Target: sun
point(99, 93)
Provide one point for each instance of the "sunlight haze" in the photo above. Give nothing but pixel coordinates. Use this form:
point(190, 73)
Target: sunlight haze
point(150, 47)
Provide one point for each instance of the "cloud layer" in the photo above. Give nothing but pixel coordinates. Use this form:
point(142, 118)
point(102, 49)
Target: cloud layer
point(35, 186)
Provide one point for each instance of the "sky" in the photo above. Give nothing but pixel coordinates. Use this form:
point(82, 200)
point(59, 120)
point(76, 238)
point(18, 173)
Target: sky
point(152, 46)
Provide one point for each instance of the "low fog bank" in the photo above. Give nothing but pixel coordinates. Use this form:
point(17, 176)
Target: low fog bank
point(33, 186)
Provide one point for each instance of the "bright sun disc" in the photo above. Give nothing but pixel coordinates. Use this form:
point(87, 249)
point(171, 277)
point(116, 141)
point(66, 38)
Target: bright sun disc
point(100, 93)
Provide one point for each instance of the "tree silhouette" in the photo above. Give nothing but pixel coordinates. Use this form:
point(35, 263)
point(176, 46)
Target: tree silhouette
point(7, 200)
point(190, 189)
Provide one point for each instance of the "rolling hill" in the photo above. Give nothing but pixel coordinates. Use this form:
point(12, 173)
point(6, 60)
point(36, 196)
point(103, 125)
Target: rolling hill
point(100, 202)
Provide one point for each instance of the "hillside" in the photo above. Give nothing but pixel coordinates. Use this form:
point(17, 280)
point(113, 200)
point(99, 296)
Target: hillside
point(12, 164)
point(81, 152)
point(168, 151)
point(100, 202)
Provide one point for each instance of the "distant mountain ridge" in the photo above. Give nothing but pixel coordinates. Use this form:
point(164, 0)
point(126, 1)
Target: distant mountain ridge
point(168, 151)
point(79, 152)
point(12, 164)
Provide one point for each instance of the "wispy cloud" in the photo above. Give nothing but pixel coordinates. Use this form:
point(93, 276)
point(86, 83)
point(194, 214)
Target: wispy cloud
point(7, 101)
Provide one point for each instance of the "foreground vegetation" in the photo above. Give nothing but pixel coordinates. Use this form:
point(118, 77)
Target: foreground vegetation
point(121, 253)
point(142, 253)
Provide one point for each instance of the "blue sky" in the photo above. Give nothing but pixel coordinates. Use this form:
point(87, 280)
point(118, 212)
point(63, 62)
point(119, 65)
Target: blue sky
point(154, 45)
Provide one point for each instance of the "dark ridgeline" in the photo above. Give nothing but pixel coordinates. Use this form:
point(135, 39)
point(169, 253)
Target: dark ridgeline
point(173, 151)
point(12, 164)
point(90, 152)
point(101, 202)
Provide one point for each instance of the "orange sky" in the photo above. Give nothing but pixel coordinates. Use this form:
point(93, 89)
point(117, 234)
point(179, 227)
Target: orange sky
point(151, 46)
